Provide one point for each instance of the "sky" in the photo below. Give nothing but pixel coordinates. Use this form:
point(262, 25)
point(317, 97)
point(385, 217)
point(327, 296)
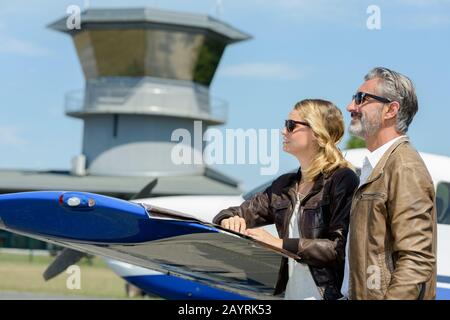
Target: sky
point(300, 49)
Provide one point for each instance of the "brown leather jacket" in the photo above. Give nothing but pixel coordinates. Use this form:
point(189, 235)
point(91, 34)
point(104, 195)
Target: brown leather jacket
point(323, 223)
point(392, 249)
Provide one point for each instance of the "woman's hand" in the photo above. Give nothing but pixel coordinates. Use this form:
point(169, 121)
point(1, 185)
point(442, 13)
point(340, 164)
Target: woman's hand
point(264, 236)
point(235, 223)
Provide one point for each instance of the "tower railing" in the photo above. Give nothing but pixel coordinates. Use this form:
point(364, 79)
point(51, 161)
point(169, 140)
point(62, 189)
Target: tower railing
point(151, 101)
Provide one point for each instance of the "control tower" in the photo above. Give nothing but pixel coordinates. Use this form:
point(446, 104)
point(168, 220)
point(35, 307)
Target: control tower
point(147, 74)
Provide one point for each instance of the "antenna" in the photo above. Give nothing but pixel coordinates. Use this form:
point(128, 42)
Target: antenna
point(219, 8)
point(87, 4)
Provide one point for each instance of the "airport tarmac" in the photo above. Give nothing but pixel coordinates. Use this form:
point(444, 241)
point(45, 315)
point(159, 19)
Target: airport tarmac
point(11, 295)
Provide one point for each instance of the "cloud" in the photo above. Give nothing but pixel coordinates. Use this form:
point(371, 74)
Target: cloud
point(272, 71)
point(10, 136)
point(11, 45)
point(328, 11)
point(410, 13)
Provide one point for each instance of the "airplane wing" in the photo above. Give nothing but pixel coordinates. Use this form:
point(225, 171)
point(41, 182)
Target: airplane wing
point(150, 237)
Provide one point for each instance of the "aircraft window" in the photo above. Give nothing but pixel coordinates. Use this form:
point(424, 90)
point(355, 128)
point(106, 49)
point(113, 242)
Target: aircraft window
point(443, 203)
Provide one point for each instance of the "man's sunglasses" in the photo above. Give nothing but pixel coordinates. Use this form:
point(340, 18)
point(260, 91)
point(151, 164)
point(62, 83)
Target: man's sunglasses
point(360, 96)
point(291, 124)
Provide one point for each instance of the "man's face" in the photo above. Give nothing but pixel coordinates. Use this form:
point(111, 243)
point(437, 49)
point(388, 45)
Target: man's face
point(367, 116)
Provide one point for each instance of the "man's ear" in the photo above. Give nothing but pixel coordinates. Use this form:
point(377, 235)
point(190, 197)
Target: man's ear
point(392, 110)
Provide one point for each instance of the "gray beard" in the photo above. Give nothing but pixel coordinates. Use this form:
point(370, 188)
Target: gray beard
point(356, 129)
point(364, 128)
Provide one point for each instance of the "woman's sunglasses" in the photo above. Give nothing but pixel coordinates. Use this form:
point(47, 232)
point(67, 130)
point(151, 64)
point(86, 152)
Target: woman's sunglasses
point(360, 96)
point(291, 124)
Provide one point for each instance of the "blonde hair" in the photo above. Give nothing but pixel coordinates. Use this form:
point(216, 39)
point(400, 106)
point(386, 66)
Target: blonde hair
point(327, 124)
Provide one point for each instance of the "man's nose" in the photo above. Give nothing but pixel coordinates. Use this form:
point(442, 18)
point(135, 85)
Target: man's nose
point(351, 107)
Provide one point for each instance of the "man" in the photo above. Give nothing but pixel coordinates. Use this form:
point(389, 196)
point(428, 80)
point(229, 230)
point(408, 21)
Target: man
point(392, 239)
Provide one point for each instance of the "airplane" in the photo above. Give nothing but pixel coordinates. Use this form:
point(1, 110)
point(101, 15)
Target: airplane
point(171, 280)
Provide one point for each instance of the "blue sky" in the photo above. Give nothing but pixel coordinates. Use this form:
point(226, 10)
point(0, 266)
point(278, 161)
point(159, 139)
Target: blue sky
point(300, 49)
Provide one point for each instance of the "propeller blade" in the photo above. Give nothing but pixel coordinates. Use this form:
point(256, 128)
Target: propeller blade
point(66, 258)
point(146, 191)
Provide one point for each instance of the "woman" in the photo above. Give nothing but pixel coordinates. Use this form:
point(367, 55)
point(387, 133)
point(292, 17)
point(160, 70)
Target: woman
point(310, 208)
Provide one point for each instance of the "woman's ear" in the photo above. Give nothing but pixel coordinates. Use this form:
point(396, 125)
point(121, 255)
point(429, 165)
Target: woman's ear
point(392, 110)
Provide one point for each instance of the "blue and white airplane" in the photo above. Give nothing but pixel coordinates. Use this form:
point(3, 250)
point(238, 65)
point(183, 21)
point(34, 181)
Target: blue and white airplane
point(178, 256)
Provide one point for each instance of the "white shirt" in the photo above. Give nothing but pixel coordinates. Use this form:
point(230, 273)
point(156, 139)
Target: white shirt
point(375, 156)
point(300, 285)
point(370, 162)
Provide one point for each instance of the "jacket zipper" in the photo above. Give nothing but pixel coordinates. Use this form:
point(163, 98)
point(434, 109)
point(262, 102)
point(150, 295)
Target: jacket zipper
point(366, 250)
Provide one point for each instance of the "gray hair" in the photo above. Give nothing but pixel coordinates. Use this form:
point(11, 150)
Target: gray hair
point(397, 87)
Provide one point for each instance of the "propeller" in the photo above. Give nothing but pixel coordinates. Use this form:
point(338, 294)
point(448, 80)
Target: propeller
point(65, 258)
point(68, 257)
point(145, 191)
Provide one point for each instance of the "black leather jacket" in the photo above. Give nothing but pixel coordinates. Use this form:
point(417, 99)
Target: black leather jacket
point(323, 222)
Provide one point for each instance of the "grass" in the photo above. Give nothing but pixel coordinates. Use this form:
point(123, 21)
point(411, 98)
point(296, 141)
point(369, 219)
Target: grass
point(22, 273)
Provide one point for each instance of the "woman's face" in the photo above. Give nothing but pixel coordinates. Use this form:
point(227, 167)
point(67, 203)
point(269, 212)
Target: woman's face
point(301, 140)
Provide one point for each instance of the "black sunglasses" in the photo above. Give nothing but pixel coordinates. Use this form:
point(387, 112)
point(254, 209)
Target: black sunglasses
point(291, 124)
point(360, 96)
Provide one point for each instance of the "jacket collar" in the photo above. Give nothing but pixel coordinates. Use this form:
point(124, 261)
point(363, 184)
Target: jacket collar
point(293, 179)
point(379, 168)
point(317, 186)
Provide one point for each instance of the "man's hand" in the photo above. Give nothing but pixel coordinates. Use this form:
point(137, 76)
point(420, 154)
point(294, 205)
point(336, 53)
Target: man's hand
point(264, 236)
point(235, 223)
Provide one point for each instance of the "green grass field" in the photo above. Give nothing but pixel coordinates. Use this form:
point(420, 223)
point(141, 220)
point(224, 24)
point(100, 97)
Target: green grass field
point(20, 273)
